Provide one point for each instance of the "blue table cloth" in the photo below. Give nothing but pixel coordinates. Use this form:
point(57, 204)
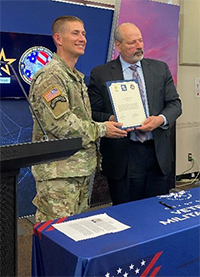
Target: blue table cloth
point(163, 240)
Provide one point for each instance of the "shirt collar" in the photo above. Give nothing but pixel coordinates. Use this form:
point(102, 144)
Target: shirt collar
point(126, 65)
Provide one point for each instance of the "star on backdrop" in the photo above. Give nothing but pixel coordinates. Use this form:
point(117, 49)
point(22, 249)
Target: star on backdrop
point(5, 68)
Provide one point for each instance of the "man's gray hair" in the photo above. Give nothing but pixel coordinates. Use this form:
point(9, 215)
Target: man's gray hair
point(117, 34)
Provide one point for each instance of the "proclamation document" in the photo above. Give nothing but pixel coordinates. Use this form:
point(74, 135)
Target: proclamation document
point(127, 103)
point(90, 227)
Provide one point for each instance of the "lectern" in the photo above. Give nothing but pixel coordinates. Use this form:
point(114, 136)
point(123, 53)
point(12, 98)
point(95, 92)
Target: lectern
point(12, 158)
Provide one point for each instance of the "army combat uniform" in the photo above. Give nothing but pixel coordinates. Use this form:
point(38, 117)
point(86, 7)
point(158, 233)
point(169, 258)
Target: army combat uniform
point(60, 99)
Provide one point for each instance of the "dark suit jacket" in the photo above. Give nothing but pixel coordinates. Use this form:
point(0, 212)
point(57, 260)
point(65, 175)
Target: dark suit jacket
point(162, 99)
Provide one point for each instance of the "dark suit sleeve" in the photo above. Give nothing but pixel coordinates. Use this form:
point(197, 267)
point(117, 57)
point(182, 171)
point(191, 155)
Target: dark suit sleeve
point(161, 91)
point(163, 99)
point(114, 151)
point(172, 106)
point(99, 99)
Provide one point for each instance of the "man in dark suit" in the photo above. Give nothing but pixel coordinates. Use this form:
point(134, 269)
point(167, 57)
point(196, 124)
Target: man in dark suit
point(136, 168)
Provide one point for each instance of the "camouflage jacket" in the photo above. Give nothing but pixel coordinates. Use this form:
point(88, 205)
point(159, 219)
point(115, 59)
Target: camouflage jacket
point(60, 99)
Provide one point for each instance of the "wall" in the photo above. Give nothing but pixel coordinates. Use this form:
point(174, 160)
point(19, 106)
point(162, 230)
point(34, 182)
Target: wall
point(188, 125)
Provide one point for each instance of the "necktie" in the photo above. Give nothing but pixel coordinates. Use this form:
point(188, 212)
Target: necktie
point(141, 136)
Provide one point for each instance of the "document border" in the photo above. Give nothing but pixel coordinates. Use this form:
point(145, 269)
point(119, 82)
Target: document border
point(124, 82)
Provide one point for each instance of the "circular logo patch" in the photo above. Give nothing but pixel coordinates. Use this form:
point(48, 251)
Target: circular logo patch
point(32, 60)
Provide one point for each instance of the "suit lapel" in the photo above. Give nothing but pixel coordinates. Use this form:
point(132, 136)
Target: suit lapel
point(116, 70)
point(148, 77)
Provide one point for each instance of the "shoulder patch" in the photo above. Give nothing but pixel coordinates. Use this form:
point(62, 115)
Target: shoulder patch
point(51, 93)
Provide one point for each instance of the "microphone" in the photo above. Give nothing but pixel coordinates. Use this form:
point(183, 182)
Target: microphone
point(45, 136)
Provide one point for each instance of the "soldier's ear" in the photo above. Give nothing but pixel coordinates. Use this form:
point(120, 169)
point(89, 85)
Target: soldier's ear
point(57, 38)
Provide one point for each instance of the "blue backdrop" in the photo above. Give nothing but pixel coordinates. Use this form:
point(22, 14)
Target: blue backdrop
point(25, 18)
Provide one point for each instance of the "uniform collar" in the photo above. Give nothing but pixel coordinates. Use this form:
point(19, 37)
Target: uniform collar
point(77, 74)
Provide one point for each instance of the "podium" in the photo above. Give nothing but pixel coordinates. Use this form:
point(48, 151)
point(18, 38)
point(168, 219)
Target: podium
point(12, 158)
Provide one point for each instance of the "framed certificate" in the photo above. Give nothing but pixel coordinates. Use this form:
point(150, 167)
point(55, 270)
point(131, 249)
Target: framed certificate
point(126, 102)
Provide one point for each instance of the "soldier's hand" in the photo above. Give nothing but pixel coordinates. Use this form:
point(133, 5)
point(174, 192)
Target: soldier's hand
point(113, 130)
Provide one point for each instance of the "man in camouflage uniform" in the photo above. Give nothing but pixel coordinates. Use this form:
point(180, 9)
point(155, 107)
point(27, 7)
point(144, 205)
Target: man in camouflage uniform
point(59, 97)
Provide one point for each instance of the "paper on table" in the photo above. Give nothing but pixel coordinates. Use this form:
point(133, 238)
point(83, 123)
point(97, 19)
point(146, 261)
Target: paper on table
point(90, 227)
point(127, 102)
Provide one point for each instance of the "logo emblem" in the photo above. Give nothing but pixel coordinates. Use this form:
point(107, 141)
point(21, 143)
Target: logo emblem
point(32, 60)
point(181, 195)
point(123, 87)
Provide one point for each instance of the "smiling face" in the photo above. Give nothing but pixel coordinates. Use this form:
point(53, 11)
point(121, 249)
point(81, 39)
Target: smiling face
point(129, 43)
point(73, 38)
point(70, 40)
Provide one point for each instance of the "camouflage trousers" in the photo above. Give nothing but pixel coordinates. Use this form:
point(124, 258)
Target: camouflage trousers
point(58, 198)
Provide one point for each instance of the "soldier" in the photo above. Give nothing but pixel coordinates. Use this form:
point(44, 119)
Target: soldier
point(60, 99)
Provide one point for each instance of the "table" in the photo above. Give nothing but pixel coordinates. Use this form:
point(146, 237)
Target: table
point(161, 242)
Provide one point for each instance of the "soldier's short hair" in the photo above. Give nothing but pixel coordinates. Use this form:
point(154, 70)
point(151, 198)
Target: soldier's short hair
point(58, 24)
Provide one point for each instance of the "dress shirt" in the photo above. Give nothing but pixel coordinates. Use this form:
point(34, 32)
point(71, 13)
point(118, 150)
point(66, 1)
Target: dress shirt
point(128, 75)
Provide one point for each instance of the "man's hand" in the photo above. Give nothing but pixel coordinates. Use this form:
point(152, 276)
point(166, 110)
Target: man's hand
point(113, 130)
point(151, 123)
point(112, 118)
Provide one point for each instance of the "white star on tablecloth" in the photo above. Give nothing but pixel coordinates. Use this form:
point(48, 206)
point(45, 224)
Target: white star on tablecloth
point(143, 262)
point(119, 270)
point(137, 271)
point(131, 266)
